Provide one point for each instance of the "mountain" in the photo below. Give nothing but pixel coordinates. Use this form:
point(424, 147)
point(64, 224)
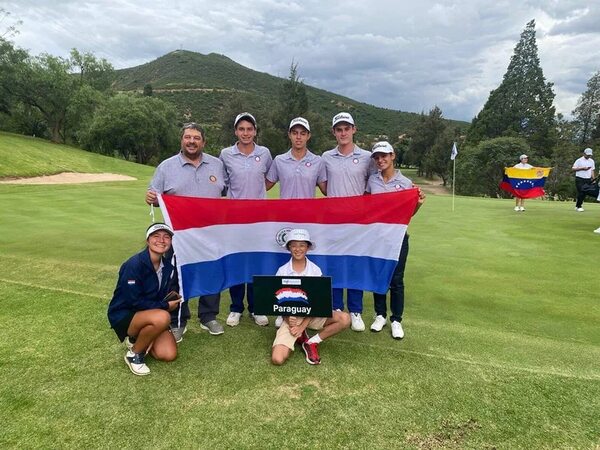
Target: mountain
point(201, 86)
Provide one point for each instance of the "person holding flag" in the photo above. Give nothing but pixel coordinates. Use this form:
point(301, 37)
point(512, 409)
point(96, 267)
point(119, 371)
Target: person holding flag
point(246, 164)
point(348, 167)
point(524, 181)
point(389, 179)
point(523, 164)
point(191, 173)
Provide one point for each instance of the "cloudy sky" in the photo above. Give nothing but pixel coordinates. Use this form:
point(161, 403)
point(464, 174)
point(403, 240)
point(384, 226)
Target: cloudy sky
point(396, 54)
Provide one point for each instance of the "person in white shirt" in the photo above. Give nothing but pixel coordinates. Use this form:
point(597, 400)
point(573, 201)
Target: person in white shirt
point(584, 173)
point(523, 164)
point(293, 329)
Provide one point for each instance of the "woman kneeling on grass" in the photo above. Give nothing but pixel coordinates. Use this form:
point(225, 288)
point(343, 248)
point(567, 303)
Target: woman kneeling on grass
point(139, 309)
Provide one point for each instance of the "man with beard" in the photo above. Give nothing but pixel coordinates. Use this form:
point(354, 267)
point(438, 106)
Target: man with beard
point(191, 173)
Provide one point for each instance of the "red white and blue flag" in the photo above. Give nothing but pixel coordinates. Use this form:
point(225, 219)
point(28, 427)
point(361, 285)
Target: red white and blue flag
point(220, 243)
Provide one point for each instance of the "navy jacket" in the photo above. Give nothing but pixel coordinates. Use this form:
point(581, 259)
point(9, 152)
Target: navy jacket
point(138, 289)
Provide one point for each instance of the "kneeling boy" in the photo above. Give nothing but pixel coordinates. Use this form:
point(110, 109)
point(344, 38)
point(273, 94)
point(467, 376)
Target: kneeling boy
point(293, 329)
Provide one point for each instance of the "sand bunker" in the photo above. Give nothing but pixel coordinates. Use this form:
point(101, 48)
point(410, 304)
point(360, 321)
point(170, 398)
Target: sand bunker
point(70, 178)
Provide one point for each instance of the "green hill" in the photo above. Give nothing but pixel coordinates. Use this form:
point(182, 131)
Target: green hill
point(23, 156)
point(201, 85)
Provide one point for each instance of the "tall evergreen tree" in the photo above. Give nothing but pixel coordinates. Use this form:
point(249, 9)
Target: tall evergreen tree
point(522, 104)
point(587, 111)
point(424, 134)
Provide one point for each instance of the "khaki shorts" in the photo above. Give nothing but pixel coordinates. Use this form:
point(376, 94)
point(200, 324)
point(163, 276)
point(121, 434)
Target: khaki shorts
point(284, 337)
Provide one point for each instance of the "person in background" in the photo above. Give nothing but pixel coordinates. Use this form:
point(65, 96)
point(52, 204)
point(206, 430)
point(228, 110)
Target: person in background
point(523, 164)
point(388, 179)
point(584, 173)
point(246, 164)
point(139, 309)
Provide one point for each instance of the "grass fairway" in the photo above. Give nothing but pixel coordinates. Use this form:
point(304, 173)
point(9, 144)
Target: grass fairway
point(501, 350)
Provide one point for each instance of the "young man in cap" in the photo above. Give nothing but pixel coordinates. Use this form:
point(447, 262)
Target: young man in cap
point(246, 164)
point(584, 173)
point(388, 179)
point(347, 169)
point(192, 173)
point(299, 171)
point(293, 329)
point(523, 164)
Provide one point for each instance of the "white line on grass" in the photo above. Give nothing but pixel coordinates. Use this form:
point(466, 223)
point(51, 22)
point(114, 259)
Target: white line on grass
point(535, 371)
point(48, 288)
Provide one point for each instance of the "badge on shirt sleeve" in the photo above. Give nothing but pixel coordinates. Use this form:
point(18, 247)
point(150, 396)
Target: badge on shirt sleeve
point(212, 179)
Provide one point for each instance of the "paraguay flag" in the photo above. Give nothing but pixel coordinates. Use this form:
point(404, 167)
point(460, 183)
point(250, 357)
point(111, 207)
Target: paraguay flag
point(525, 183)
point(223, 242)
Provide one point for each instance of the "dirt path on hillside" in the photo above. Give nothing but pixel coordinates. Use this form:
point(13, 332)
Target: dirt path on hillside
point(69, 178)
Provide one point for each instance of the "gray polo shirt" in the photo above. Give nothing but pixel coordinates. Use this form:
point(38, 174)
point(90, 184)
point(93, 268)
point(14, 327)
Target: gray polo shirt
point(246, 173)
point(177, 176)
point(297, 179)
point(347, 175)
point(376, 184)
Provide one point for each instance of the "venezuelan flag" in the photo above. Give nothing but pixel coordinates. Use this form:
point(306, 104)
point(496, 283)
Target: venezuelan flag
point(525, 183)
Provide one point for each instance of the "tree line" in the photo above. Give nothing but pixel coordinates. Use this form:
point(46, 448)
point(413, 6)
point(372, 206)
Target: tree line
point(72, 100)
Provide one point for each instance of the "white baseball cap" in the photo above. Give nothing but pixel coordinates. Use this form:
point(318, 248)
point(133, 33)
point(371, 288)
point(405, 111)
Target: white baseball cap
point(158, 227)
point(299, 121)
point(245, 115)
point(523, 157)
point(298, 234)
point(342, 117)
point(382, 147)
point(588, 151)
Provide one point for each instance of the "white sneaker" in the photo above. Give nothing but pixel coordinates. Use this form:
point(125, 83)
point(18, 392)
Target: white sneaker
point(521, 208)
point(517, 208)
point(357, 322)
point(261, 321)
point(135, 362)
point(579, 209)
point(278, 321)
point(233, 319)
point(378, 324)
point(597, 230)
point(397, 331)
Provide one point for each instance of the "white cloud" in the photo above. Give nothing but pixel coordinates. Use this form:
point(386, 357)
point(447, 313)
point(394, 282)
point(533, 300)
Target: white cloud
point(400, 55)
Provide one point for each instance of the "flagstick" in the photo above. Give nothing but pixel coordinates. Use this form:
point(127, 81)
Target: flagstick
point(453, 180)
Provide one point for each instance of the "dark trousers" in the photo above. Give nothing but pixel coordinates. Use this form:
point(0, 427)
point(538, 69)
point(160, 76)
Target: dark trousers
point(354, 298)
point(396, 289)
point(579, 183)
point(208, 309)
point(237, 297)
